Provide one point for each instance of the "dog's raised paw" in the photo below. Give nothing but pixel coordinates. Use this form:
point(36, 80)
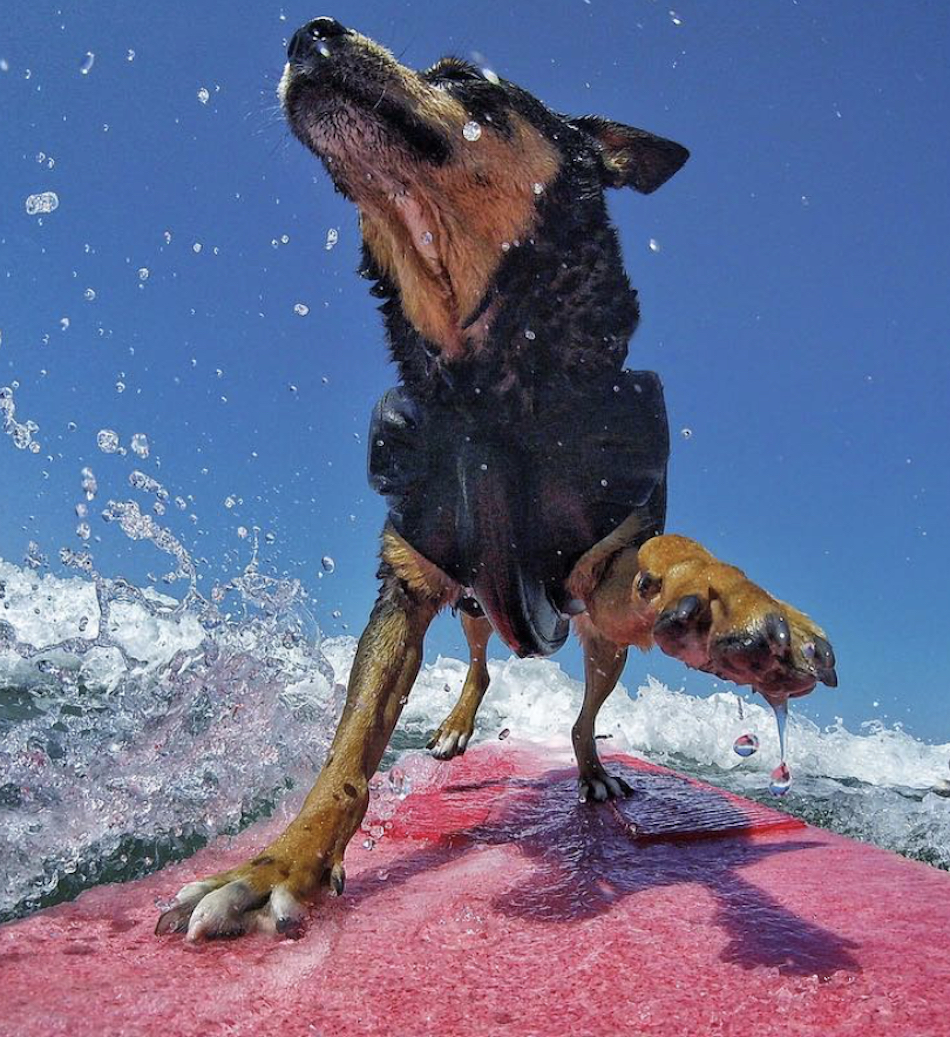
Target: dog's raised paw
point(712, 617)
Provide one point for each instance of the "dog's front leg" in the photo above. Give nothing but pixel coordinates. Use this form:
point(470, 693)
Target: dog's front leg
point(674, 593)
point(269, 891)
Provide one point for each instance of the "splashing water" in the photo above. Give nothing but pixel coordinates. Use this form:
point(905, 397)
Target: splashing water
point(134, 726)
point(21, 433)
point(42, 203)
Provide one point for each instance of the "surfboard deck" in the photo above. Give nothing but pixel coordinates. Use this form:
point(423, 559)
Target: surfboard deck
point(496, 904)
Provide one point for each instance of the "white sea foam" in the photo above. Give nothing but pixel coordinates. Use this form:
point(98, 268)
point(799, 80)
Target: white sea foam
point(124, 747)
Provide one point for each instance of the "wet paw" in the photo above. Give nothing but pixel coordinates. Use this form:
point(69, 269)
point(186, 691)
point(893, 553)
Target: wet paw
point(598, 786)
point(713, 618)
point(783, 654)
point(258, 896)
point(451, 738)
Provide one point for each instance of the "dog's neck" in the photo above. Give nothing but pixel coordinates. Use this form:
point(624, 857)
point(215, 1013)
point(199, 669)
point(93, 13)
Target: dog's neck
point(557, 315)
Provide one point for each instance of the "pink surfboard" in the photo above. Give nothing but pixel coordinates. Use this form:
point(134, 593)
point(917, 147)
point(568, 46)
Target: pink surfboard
point(497, 904)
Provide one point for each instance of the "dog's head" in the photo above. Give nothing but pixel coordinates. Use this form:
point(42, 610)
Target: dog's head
point(454, 169)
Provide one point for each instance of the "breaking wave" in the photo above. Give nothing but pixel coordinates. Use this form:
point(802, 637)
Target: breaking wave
point(134, 728)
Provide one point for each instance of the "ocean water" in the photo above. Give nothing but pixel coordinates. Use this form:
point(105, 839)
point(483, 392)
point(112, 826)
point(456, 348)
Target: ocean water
point(134, 727)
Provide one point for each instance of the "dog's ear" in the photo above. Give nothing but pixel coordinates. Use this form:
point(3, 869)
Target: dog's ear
point(630, 157)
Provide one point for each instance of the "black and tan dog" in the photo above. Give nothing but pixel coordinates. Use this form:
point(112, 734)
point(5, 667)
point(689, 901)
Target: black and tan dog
point(524, 468)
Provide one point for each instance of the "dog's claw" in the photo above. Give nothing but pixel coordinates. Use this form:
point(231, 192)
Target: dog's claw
point(290, 916)
point(824, 657)
point(681, 615)
point(778, 633)
point(175, 919)
point(337, 879)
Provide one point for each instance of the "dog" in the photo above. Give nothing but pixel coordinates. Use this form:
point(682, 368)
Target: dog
point(525, 470)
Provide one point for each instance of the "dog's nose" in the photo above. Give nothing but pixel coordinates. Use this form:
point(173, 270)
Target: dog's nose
point(303, 40)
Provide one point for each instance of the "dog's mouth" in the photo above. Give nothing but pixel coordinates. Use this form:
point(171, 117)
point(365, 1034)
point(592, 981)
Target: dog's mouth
point(363, 113)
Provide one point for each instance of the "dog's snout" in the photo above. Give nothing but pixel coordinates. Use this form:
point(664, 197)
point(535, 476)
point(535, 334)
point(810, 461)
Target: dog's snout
point(304, 40)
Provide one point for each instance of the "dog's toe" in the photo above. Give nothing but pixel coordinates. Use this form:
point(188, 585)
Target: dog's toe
point(448, 742)
point(600, 787)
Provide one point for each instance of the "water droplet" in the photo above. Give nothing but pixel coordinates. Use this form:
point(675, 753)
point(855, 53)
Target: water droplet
point(89, 294)
point(328, 564)
point(45, 201)
point(675, 18)
point(168, 237)
point(336, 613)
point(368, 843)
point(654, 245)
point(504, 733)
point(82, 510)
point(242, 532)
point(143, 273)
point(537, 188)
point(140, 445)
point(196, 248)
point(301, 309)
point(85, 66)
point(471, 131)
point(204, 95)
point(120, 386)
point(64, 323)
point(83, 531)
point(270, 538)
point(781, 780)
point(229, 502)
point(399, 783)
point(746, 745)
point(107, 440)
point(426, 237)
point(333, 236)
point(530, 335)
point(686, 433)
point(130, 56)
point(88, 480)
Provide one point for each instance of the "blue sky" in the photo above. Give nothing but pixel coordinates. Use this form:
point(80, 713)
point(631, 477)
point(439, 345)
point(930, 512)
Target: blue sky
point(796, 307)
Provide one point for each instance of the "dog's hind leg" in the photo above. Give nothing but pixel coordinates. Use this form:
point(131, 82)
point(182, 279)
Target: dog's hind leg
point(269, 890)
point(603, 664)
point(452, 736)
